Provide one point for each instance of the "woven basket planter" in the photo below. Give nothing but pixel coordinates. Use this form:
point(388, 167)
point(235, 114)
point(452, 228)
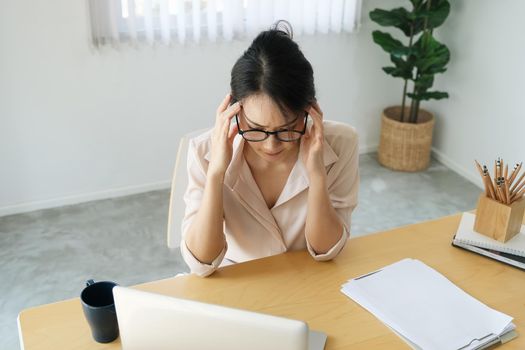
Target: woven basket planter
point(405, 146)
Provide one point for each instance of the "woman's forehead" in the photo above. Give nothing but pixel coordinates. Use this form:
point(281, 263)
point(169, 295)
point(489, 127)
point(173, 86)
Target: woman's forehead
point(262, 110)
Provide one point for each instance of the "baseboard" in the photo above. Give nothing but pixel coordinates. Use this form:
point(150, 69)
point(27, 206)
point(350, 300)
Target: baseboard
point(82, 198)
point(443, 159)
point(126, 191)
point(368, 149)
point(449, 163)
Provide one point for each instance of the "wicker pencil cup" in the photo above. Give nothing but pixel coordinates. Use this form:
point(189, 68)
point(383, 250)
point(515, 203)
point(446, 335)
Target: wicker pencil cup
point(405, 146)
point(497, 220)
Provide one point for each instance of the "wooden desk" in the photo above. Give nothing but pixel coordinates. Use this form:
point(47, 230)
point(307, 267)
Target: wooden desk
point(295, 286)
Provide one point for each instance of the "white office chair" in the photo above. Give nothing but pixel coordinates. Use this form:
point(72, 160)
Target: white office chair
point(178, 187)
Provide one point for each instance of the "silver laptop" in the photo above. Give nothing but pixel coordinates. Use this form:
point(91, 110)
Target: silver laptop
point(152, 321)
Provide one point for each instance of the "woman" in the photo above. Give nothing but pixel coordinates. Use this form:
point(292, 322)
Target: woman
point(273, 181)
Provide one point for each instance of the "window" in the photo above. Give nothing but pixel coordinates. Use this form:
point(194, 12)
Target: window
point(180, 21)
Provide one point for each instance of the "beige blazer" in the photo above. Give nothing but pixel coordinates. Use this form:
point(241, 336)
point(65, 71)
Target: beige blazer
point(253, 230)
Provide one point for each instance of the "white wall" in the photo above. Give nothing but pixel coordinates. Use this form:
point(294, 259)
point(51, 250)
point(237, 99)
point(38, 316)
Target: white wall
point(78, 124)
point(484, 116)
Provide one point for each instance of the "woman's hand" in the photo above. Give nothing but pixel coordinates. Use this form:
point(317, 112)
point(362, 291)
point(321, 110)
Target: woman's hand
point(313, 143)
point(222, 137)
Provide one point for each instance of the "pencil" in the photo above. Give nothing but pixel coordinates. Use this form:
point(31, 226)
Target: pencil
point(480, 170)
point(506, 173)
point(512, 189)
point(497, 190)
point(515, 172)
point(516, 190)
point(483, 178)
point(485, 184)
point(507, 194)
point(501, 195)
point(502, 186)
point(488, 184)
point(518, 196)
point(489, 180)
point(495, 172)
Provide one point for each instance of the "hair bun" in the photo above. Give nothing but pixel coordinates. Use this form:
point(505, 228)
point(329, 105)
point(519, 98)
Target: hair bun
point(284, 27)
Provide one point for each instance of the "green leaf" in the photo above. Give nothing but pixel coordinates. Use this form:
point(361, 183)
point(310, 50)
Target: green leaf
point(431, 56)
point(435, 95)
point(396, 72)
point(416, 3)
point(389, 44)
point(399, 18)
point(404, 68)
point(390, 70)
point(424, 82)
point(438, 13)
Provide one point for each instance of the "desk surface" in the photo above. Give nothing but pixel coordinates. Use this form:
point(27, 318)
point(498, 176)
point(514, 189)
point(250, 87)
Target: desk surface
point(294, 285)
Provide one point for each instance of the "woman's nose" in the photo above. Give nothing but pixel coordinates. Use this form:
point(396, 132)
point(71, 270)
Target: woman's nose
point(272, 142)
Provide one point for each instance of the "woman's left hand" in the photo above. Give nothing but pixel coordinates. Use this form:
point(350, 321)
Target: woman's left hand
point(313, 143)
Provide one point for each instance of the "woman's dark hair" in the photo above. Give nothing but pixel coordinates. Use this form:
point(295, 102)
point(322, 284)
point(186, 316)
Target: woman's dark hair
point(274, 65)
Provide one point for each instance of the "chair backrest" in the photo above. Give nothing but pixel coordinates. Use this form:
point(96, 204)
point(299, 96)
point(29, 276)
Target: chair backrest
point(178, 187)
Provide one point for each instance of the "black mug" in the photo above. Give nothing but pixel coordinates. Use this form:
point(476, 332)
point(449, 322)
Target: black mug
point(99, 309)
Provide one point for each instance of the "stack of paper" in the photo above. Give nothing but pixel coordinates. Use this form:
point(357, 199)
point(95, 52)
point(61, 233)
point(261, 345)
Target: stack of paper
point(427, 310)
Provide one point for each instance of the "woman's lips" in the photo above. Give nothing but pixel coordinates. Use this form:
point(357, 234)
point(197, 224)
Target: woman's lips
point(273, 154)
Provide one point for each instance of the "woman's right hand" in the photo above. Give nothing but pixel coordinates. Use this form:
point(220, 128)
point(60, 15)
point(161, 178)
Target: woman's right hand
point(222, 137)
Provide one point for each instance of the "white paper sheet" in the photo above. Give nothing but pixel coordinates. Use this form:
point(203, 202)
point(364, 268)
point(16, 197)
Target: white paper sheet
point(426, 308)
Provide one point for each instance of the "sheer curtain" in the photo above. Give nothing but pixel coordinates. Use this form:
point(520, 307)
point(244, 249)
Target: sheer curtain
point(168, 22)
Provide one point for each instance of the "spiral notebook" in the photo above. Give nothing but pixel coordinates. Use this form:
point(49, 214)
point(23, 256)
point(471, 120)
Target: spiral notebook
point(467, 235)
point(509, 259)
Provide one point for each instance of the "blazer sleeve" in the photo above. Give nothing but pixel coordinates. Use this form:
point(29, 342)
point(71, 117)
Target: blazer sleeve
point(193, 199)
point(343, 186)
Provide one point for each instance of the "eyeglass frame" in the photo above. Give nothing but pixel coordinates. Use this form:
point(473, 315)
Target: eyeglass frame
point(276, 132)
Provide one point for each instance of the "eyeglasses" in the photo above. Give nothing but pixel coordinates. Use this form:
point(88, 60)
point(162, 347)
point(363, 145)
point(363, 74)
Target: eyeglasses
point(285, 135)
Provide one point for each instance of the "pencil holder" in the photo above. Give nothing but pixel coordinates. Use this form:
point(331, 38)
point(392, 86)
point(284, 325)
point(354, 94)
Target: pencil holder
point(497, 220)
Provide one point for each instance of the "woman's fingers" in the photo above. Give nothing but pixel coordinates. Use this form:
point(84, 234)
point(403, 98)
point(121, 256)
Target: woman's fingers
point(317, 118)
point(224, 118)
point(315, 111)
point(224, 104)
point(234, 129)
point(227, 118)
point(232, 110)
point(317, 108)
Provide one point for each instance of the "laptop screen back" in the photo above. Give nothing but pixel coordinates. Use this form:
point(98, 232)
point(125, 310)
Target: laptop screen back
point(153, 321)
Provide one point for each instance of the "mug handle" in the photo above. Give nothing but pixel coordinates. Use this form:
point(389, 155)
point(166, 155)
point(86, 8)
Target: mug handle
point(89, 282)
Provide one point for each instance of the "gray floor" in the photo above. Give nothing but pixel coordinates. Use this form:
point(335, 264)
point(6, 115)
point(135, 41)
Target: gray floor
point(47, 255)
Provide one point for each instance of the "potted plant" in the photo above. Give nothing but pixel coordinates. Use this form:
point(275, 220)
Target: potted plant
point(406, 131)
